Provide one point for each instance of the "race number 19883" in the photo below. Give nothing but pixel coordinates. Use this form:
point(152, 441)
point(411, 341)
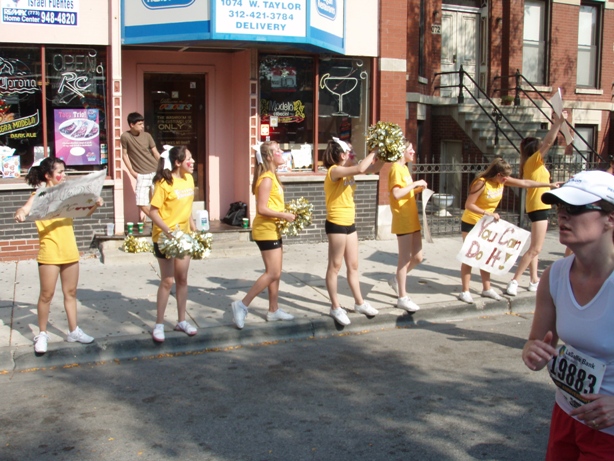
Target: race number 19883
point(576, 374)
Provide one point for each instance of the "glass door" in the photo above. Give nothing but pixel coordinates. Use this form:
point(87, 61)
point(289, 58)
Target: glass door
point(175, 115)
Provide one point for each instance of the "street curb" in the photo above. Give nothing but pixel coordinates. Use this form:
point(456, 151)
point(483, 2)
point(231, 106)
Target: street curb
point(134, 347)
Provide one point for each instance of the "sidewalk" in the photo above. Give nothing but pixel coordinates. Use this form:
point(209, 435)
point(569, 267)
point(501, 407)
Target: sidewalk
point(117, 301)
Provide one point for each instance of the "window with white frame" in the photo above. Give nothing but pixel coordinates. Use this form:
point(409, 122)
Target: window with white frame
point(534, 42)
point(589, 41)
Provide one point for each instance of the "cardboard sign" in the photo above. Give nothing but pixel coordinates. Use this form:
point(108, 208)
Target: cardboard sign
point(71, 199)
point(493, 246)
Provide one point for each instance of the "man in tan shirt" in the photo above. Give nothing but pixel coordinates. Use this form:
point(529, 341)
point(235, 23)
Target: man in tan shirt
point(141, 159)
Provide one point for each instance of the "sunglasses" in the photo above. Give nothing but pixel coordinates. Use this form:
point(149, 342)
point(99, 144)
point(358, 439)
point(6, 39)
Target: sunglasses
point(573, 210)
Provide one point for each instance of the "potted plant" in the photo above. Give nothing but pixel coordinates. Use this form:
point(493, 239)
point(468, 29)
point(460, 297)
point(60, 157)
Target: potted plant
point(507, 100)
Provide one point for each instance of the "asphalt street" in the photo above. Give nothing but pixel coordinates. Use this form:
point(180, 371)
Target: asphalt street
point(455, 390)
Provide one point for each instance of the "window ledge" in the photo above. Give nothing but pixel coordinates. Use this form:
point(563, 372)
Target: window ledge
point(423, 80)
point(589, 91)
point(543, 88)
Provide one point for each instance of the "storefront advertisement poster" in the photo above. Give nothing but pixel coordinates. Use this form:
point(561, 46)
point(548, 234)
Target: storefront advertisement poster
point(77, 136)
point(71, 199)
point(493, 246)
point(47, 12)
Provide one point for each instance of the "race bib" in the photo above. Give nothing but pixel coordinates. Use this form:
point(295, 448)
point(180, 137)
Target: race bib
point(576, 374)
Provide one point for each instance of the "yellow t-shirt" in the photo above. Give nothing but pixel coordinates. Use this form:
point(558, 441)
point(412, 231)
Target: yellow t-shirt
point(57, 241)
point(535, 169)
point(174, 203)
point(404, 211)
point(340, 207)
point(491, 195)
point(265, 227)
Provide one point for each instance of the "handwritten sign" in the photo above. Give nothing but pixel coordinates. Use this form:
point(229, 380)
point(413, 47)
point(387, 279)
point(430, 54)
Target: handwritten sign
point(70, 199)
point(493, 246)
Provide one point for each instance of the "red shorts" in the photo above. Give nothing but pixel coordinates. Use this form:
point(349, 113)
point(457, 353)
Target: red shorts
point(571, 440)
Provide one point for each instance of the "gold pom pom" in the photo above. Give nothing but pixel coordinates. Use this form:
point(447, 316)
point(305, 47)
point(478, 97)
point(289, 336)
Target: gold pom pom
point(387, 140)
point(302, 210)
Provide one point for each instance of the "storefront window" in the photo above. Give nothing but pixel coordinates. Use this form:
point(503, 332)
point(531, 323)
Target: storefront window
point(76, 105)
point(343, 98)
point(21, 136)
point(286, 107)
point(290, 107)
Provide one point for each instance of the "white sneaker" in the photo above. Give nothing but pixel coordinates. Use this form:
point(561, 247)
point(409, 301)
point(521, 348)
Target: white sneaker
point(40, 342)
point(392, 283)
point(465, 296)
point(533, 286)
point(366, 309)
point(512, 288)
point(491, 294)
point(407, 304)
point(158, 333)
point(278, 315)
point(186, 327)
point(340, 316)
point(239, 312)
point(78, 336)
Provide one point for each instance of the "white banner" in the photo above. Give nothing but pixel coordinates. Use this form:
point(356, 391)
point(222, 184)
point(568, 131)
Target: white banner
point(74, 198)
point(493, 246)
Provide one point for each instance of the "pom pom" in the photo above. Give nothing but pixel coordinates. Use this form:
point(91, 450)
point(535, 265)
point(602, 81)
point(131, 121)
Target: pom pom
point(202, 245)
point(303, 210)
point(194, 244)
point(178, 246)
point(387, 140)
point(134, 244)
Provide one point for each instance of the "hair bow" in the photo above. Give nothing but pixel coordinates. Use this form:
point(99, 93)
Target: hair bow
point(165, 156)
point(257, 147)
point(344, 145)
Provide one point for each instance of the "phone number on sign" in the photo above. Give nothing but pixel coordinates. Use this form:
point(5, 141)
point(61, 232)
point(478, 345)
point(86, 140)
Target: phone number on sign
point(259, 15)
point(49, 17)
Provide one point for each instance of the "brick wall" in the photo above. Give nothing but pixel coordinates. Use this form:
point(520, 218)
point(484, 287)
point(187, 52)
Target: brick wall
point(366, 205)
point(19, 241)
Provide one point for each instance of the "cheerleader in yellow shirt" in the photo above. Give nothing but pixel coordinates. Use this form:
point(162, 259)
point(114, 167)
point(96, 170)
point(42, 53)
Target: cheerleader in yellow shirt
point(340, 228)
point(532, 156)
point(405, 224)
point(171, 208)
point(269, 209)
point(485, 193)
point(58, 255)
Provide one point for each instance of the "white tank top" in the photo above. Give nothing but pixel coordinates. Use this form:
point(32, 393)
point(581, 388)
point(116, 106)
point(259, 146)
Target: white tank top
point(588, 328)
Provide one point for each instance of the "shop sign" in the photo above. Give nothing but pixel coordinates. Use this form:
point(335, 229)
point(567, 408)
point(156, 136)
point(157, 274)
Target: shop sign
point(327, 8)
point(15, 77)
point(286, 111)
point(45, 12)
point(260, 17)
point(20, 124)
point(77, 136)
point(161, 4)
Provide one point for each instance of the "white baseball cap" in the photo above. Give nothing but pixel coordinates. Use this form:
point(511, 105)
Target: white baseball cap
point(583, 188)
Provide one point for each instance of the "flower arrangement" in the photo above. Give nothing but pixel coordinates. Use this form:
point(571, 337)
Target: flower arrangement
point(387, 140)
point(134, 244)
point(303, 210)
point(194, 244)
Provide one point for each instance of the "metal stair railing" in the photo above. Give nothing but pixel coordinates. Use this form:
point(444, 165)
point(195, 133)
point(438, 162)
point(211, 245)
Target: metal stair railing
point(518, 77)
point(495, 116)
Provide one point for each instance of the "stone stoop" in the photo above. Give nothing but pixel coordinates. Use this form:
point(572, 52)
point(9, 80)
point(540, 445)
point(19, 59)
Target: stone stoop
point(228, 241)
